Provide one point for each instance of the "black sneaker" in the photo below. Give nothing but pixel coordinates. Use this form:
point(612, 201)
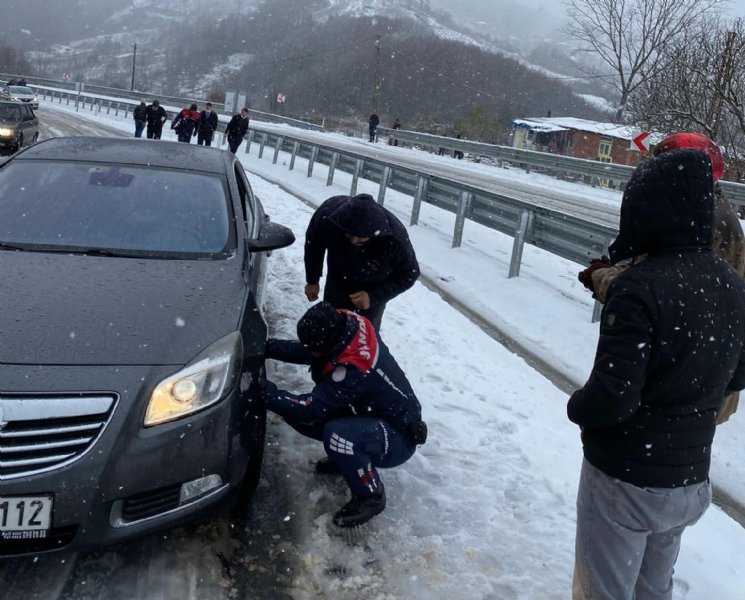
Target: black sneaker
point(326, 466)
point(360, 509)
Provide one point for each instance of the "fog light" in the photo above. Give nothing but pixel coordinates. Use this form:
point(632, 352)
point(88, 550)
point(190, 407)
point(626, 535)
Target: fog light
point(199, 487)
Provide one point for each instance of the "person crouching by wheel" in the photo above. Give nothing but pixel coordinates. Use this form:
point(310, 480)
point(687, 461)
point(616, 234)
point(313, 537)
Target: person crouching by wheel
point(362, 407)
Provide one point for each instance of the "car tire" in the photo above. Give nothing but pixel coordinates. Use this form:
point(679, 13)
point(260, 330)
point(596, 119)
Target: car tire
point(19, 145)
point(255, 433)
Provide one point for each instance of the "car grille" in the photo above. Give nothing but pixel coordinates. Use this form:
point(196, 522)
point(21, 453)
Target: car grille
point(151, 503)
point(40, 433)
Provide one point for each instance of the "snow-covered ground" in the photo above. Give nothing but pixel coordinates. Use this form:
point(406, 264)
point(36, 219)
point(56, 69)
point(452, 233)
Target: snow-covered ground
point(485, 510)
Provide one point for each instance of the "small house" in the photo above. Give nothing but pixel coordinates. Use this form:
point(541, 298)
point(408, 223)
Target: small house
point(579, 138)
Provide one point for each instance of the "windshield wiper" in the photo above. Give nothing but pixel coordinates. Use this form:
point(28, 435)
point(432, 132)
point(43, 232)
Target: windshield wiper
point(6, 246)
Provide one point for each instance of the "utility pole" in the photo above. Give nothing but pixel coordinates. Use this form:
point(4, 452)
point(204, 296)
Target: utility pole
point(376, 91)
point(134, 60)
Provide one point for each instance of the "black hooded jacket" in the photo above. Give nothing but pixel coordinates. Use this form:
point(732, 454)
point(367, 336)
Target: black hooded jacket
point(671, 336)
point(384, 266)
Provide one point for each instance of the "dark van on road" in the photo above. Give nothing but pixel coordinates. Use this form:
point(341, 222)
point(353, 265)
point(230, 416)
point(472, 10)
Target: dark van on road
point(19, 126)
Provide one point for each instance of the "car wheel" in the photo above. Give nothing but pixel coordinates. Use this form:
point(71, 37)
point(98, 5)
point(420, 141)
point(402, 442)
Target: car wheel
point(255, 432)
point(19, 145)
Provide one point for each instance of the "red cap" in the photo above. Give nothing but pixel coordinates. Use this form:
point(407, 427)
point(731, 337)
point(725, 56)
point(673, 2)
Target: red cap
point(695, 141)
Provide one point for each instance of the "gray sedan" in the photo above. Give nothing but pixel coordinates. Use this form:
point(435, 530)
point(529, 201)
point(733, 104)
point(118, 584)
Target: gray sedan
point(131, 338)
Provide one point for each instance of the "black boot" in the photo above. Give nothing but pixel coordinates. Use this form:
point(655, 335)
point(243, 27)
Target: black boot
point(360, 509)
point(326, 466)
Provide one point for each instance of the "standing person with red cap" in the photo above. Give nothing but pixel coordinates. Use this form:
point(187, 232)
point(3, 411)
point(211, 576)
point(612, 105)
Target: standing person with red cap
point(729, 241)
point(369, 256)
point(362, 407)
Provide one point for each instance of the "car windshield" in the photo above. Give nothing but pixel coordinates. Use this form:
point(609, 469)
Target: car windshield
point(124, 210)
point(10, 112)
point(19, 89)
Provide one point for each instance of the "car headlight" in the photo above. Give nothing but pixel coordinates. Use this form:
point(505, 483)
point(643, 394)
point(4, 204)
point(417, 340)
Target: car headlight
point(5, 132)
point(200, 384)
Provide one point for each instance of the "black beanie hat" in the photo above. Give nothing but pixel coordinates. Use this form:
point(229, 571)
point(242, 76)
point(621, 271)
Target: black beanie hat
point(321, 327)
point(360, 215)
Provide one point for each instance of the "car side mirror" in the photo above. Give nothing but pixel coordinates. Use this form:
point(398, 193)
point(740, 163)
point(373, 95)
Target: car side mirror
point(271, 237)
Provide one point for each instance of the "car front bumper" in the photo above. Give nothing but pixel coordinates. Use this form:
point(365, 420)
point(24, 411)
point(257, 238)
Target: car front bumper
point(133, 480)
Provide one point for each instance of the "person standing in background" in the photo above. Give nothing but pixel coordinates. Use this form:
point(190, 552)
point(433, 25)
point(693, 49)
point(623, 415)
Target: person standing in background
point(373, 123)
point(155, 115)
point(207, 125)
point(140, 116)
point(236, 130)
point(185, 123)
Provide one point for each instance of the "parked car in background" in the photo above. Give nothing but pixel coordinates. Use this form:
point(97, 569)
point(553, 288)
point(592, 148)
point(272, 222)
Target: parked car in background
point(22, 93)
point(19, 126)
point(132, 338)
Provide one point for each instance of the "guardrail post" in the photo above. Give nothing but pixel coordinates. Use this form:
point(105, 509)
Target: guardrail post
point(68, 100)
point(108, 107)
point(312, 160)
point(422, 188)
point(295, 148)
point(332, 168)
point(277, 148)
point(359, 167)
point(264, 137)
point(596, 310)
point(460, 220)
point(385, 179)
point(526, 222)
point(249, 140)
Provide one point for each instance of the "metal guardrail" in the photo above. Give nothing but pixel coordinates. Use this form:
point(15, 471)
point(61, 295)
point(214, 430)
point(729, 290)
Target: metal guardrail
point(107, 94)
point(558, 233)
point(561, 165)
point(97, 102)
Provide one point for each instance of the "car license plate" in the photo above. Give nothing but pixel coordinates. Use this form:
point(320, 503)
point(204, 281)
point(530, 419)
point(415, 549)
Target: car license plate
point(25, 517)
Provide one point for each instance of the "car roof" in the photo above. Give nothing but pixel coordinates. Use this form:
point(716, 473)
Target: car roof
point(129, 151)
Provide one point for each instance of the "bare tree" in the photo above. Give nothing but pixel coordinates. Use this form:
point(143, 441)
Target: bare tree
point(629, 36)
point(700, 86)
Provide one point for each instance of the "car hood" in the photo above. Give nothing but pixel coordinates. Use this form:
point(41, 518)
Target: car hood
point(83, 310)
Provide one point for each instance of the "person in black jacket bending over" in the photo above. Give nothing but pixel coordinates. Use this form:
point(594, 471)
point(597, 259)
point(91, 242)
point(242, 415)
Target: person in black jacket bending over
point(155, 115)
point(671, 346)
point(237, 129)
point(362, 406)
point(370, 258)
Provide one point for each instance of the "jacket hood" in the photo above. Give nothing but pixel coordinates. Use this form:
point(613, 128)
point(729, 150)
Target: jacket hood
point(668, 204)
point(361, 216)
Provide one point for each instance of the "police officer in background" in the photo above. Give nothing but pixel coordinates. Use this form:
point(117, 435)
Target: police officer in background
point(362, 407)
